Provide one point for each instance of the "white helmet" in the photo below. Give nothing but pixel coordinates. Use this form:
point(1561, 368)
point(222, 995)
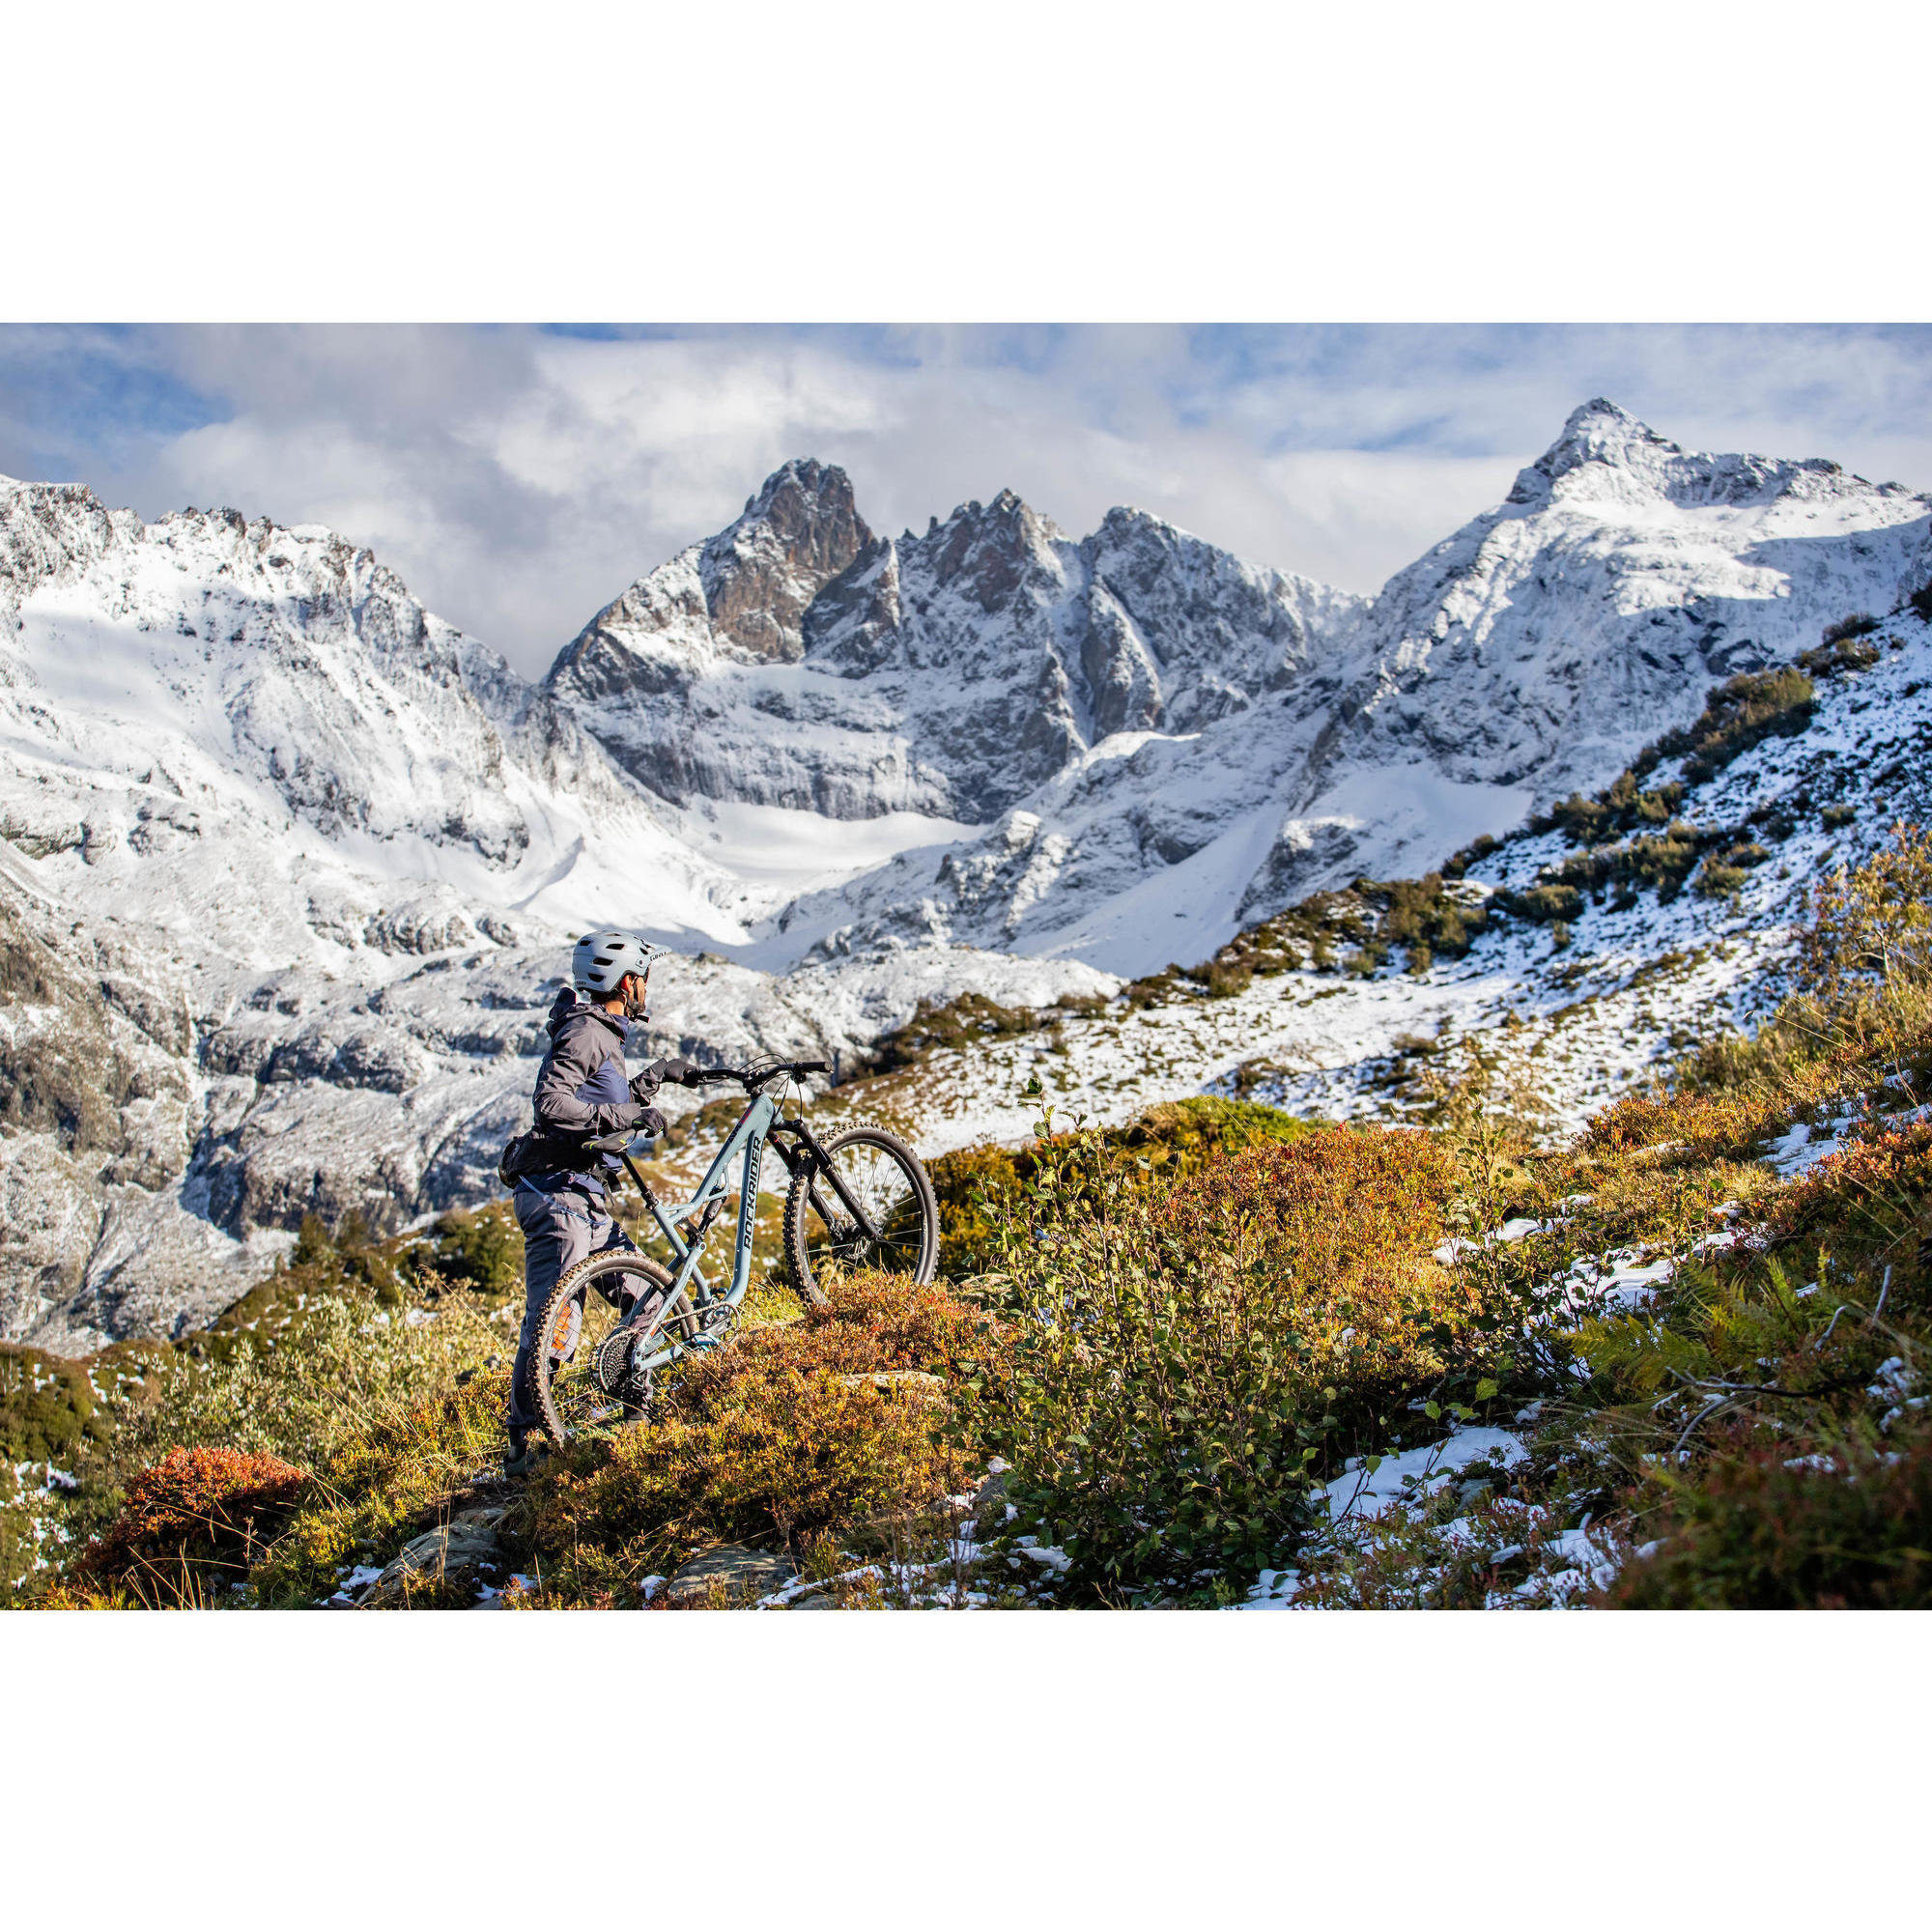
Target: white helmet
point(601, 961)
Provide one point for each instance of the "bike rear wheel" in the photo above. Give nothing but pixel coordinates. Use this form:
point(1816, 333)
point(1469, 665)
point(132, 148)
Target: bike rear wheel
point(580, 1373)
point(883, 1175)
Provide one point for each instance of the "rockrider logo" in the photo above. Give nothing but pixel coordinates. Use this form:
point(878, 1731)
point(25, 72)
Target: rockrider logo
point(749, 1208)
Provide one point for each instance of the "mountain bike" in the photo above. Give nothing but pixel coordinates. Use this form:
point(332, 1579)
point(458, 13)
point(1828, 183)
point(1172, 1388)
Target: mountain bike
point(857, 1199)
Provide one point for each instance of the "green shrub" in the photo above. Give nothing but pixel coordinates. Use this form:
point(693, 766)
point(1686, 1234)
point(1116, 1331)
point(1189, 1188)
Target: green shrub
point(1860, 625)
point(1623, 808)
point(1221, 978)
point(1873, 924)
point(1545, 904)
point(1836, 817)
point(48, 1408)
point(480, 1249)
point(1418, 914)
point(979, 1188)
point(1153, 989)
point(1739, 714)
point(1471, 855)
point(1836, 658)
point(1085, 1003)
point(936, 1025)
point(1659, 863)
point(1182, 1136)
point(1180, 1364)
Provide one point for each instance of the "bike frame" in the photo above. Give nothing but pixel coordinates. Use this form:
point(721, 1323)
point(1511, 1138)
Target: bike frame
point(759, 1124)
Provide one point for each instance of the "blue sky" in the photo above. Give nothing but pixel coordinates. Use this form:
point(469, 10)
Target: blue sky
point(518, 478)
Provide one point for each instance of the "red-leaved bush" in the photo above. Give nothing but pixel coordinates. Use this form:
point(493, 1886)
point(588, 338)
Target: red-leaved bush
point(195, 1509)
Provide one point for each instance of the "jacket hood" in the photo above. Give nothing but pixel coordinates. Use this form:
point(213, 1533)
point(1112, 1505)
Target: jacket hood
point(569, 1005)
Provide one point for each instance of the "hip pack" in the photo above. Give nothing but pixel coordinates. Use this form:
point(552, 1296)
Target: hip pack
point(537, 1152)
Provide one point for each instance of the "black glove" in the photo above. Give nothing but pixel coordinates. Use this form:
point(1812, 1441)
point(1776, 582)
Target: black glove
point(649, 1122)
point(686, 1072)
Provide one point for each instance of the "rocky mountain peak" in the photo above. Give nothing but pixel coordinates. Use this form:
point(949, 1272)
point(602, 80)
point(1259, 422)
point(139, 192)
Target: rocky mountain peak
point(798, 532)
point(1597, 433)
point(988, 550)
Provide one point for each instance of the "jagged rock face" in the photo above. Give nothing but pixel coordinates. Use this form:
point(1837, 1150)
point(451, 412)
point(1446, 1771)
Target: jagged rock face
point(1190, 633)
point(760, 575)
point(949, 673)
point(96, 1095)
point(738, 599)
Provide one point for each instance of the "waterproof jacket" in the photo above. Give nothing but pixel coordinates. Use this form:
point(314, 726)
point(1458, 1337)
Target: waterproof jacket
point(582, 1089)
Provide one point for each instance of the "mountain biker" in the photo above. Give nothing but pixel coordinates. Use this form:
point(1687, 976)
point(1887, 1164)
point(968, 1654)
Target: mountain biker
point(582, 1092)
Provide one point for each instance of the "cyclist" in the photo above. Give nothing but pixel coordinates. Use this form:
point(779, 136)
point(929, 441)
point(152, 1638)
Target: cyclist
point(582, 1091)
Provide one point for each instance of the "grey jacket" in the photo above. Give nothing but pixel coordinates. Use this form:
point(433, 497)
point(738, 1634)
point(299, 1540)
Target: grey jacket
point(584, 1090)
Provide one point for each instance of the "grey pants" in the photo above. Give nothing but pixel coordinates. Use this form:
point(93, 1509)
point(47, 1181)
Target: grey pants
point(559, 1229)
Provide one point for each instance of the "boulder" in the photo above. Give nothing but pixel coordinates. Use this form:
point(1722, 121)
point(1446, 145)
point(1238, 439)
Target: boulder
point(441, 1568)
point(729, 1573)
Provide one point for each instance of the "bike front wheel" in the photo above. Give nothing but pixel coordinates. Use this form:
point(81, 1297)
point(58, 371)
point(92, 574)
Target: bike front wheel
point(587, 1371)
point(880, 1174)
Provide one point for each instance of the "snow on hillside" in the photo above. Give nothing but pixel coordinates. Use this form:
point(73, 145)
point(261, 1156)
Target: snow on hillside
point(1579, 1019)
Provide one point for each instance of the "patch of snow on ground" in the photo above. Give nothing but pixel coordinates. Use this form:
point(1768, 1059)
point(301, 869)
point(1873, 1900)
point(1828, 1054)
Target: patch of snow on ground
point(1364, 1493)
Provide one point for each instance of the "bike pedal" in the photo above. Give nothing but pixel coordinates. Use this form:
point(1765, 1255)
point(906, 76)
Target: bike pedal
point(704, 1342)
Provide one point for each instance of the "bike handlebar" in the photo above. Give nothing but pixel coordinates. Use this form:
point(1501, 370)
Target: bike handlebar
point(757, 1076)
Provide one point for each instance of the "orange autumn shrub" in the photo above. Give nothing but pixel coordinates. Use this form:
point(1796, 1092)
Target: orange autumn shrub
point(195, 1511)
point(1339, 1223)
point(1867, 1201)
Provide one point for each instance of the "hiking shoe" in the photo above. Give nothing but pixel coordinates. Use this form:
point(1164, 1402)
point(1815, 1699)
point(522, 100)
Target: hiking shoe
point(523, 1459)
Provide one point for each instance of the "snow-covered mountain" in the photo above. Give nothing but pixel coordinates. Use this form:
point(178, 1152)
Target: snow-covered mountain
point(291, 865)
point(290, 869)
point(1533, 652)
